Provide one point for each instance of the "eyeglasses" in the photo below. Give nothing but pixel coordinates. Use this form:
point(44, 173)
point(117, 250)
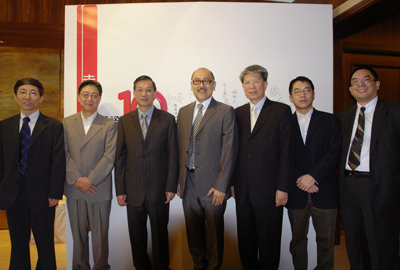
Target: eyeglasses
point(255, 83)
point(365, 80)
point(86, 95)
point(147, 91)
point(298, 92)
point(205, 81)
point(30, 93)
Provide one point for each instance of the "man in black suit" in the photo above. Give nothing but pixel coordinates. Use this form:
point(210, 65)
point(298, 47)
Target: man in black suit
point(146, 174)
point(315, 191)
point(32, 175)
point(369, 175)
point(263, 173)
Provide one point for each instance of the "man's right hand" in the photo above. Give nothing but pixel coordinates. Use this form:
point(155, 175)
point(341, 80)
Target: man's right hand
point(121, 200)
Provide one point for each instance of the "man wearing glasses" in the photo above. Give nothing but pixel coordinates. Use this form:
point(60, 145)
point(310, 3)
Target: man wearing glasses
point(146, 174)
point(369, 175)
point(315, 192)
point(32, 176)
point(263, 173)
point(90, 141)
point(208, 142)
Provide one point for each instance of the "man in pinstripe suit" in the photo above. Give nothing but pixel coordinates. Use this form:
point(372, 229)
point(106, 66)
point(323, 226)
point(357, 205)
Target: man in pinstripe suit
point(146, 174)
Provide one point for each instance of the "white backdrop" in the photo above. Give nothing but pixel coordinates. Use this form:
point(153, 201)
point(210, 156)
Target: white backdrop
point(168, 41)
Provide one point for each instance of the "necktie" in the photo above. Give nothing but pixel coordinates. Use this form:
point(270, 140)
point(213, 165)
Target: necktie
point(193, 133)
point(145, 126)
point(355, 150)
point(24, 137)
point(253, 117)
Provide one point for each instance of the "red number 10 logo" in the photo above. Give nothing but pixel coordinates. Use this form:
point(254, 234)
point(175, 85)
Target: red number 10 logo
point(131, 106)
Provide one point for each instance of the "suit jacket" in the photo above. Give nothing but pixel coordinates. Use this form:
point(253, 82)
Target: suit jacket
point(91, 155)
point(45, 174)
point(318, 157)
point(265, 161)
point(384, 155)
point(216, 147)
point(146, 168)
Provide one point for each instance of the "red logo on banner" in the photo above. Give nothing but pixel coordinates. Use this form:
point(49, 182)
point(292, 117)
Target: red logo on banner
point(86, 45)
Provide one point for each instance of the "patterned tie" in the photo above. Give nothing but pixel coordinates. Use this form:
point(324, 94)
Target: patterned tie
point(253, 117)
point(193, 133)
point(24, 138)
point(355, 150)
point(145, 126)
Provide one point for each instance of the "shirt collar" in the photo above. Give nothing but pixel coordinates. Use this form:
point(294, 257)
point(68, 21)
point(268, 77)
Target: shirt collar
point(259, 104)
point(205, 103)
point(306, 116)
point(33, 116)
point(149, 113)
point(370, 105)
point(90, 119)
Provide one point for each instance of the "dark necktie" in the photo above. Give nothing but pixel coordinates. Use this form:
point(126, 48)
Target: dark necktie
point(24, 138)
point(145, 126)
point(193, 133)
point(355, 150)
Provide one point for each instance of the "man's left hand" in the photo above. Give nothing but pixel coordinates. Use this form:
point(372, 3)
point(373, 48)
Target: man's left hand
point(280, 198)
point(84, 185)
point(305, 182)
point(169, 196)
point(53, 202)
point(218, 197)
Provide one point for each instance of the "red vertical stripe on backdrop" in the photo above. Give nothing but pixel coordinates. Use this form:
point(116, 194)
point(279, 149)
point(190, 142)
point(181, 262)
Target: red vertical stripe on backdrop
point(86, 59)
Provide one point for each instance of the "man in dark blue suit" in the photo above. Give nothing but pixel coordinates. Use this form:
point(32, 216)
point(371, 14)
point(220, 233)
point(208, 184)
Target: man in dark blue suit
point(32, 175)
point(369, 175)
point(315, 190)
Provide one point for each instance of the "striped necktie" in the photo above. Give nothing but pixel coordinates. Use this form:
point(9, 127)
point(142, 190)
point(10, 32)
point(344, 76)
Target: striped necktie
point(355, 150)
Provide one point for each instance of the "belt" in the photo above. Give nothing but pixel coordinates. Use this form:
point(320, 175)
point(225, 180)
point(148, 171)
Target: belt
point(356, 174)
point(190, 170)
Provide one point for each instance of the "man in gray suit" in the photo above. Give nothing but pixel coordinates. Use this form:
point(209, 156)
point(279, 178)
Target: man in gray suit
point(146, 174)
point(208, 144)
point(90, 142)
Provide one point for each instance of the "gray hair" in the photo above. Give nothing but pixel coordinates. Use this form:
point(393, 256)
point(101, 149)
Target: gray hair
point(254, 69)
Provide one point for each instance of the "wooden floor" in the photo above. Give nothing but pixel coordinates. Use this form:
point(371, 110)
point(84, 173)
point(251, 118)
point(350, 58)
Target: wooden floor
point(341, 262)
point(5, 249)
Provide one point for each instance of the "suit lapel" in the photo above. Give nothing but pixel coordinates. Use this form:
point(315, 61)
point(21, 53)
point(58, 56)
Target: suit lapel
point(136, 124)
point(155, 119)
point(94, 128)
point(297, 130)
point(78, 126)
point(262, 117)
point(189, 116)
point(347, 126)
point(377, 122)
point(209, 113)
point(40, 126)
point(315, 120)
point(15, 130)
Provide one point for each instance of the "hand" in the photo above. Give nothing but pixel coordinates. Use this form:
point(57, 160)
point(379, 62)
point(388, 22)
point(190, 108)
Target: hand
point(313, 189)
point(53, 202)
point(233, 192)
point(305, 182)
point(218, 197)
point(121, 200)
point(178, 192)
point(280, 198)
point(169, 196)
point(84, 185)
